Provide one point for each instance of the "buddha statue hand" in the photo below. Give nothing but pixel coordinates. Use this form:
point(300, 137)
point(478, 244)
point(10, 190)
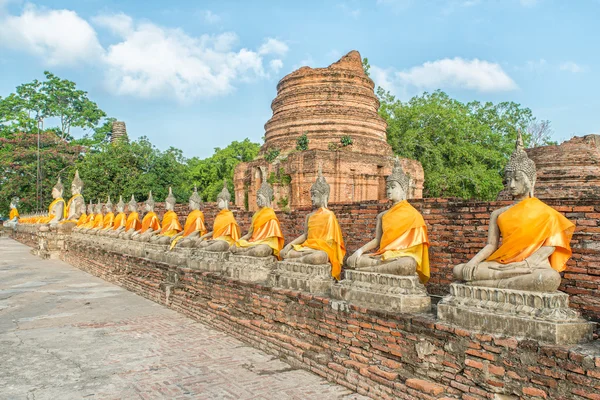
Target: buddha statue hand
point(468, 270)
point(353, 259)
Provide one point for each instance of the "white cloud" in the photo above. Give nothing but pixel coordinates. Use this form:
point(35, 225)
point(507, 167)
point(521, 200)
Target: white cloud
point(119, 24)
point(529, 3)
point(57, 36)
point(276, 65)
point(209, 17)
point(570, 66)
point(273, 46)
point(479, 75)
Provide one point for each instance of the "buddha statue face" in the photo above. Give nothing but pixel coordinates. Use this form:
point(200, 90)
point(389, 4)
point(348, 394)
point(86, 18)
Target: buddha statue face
point(90, 208)
point(56, 193)
point(148, 207)
point(195, 200)
point(262, 201)
point(120, 207)
point(517, 183)
point(394, 191)
point(318, 199)
point(14, 202)
point(132, 206)
point(222, 203)
point(108, 207)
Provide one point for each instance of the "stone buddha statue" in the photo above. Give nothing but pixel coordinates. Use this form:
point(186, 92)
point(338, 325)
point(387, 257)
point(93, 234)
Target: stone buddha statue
point(85, 219)
point(118, 222)
point(194, 224)
point(107, 220)
point(98, 218)
point(56, 210)
point(400, 236)
point(133, 223)
point(225, 231)
point(535, 238)
point(322, 239)
point(150, 223)
point(170, 222)
point(76, 204)
point(264, 237)
point(13, 215)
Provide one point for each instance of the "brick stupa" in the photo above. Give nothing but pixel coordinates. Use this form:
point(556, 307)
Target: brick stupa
point(328, 105)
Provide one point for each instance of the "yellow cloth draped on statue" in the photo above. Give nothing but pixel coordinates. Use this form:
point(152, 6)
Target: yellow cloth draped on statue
point(133, 222)
point(324, 234)
point(170, 224)
point(150, 221)
point(89, 221)
point(107, 222)
point(98, 221)
point(405, 235)
point(225, 227)
point(119, 221)
point(265, 230)
point(68, 210)
point(82, 219)
point(529, 225)
point(193, 223)
point(13, 214)
point(50, 217)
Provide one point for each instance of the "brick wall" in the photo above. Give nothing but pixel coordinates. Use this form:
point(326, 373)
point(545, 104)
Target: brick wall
point(378, 354)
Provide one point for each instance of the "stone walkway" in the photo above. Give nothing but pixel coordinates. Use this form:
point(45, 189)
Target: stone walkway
point(65, 334)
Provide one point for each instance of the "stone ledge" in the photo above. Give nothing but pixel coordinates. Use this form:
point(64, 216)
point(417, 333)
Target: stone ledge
point(250, 269)
point(315, 279)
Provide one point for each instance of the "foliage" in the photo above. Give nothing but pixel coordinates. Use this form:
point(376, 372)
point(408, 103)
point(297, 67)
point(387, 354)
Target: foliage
point(366, 66)
point(283, 202)
point(346, 140)
point(208, 173)
point(463, 147)
point(302, 142)
point(272, 154)
point(540, 133)
point(280, 178)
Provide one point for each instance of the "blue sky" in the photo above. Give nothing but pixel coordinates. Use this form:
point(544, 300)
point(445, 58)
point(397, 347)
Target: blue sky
point(200, 74)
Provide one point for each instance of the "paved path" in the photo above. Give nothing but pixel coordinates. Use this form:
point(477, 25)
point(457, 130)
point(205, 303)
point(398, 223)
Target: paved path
point(65, 334)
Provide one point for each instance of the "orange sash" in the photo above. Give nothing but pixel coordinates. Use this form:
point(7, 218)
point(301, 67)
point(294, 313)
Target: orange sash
point(150, 221)
point(405, 235)
point(324, 234)
point(225, 227)
point(193, 223)
point(265, 230)
point(89, 221)
point(119, 221)
point(170, 224)
point(98, 221)
point(50, 217)
point(133, 222)
point(529, 225)
point(107, 223)
point(13, 214)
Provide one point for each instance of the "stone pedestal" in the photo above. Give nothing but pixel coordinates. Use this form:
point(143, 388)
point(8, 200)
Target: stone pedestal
point(392, 293)
point(250, 269)
point(540, 316)
point(50, 244)
point(210, 261)
point(314, 279)
point(155, 252)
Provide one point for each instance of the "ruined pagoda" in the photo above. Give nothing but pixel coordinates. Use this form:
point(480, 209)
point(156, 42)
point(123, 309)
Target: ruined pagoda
point(336, 108)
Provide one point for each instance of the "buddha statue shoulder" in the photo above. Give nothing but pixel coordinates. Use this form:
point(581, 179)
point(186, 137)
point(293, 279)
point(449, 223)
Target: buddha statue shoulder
point(264, 237)
point(150, 222)
point(194, 226)
point(322, 240)
point(226, 230)
point(170, 225)
point(535, 243)
point(133, 223)
point(400, 236)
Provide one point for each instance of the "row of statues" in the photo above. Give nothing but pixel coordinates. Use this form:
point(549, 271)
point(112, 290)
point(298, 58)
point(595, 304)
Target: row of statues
point(528, 241)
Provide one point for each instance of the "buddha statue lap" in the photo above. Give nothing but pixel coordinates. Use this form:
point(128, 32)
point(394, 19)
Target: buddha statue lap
point(322, 240)
point(400, 236)
point(150, 223)
point(264, 238)
point(133, 223)
point(170, 223)
point(535, 238)
point(194, 224)
point(225, 231)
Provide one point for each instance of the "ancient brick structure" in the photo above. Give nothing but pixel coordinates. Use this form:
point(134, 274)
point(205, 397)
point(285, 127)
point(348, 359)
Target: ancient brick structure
point(119, 132)
point(331, 106)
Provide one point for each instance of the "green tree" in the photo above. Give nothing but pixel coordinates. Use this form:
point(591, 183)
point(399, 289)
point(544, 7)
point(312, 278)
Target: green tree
point(463, 147)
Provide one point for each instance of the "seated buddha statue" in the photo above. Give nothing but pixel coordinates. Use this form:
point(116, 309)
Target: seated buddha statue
point(56, 210)
point(98, 222)
point(400, 236)
point(535, 238)
point(194, 224)
point(225, 231)
point(170, 222)
point(86, 221)
point(322, 239)
point(133, 223)
point(76, 204)
point(150, 223)
point(118, 221)
point(107, 220)
point(13, 215)
point(264, 237)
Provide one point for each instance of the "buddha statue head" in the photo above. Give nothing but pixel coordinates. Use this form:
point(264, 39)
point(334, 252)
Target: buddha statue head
point(77, 184)
point(396, 184)
point(132, 205)
point(319, 191)
point(224, 197)
point(195, 200)
point(520, 172)
point(150, 202)
point(14, 202)
point(90, 208)
point(108, 206)
point(170, 201)
point(264, 195)
point(58, 189)
point(120, 205)
point(98, 208)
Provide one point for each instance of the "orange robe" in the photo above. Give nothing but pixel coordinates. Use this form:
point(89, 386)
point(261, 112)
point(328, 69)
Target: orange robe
point(82, 219)
point(67, 211)
point(405, 235)
point(13, 214)
point(89, 221)
point(529, 225)
point(225, 227)
point(119, 221)
point(98, 221)
point(133, 222)
point(170, 224)
point(193, 223)
point(150, 221)
point(108, 220)
point(50, 217)
point(265, 230)
point(324, 234)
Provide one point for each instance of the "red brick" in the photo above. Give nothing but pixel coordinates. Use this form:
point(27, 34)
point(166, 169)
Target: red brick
point(531, 391)
point(425, 386)
point(473, 363)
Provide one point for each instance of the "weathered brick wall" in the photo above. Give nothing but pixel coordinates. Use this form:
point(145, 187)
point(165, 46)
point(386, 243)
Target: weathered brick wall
point(378, 354)
point(457, 231)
